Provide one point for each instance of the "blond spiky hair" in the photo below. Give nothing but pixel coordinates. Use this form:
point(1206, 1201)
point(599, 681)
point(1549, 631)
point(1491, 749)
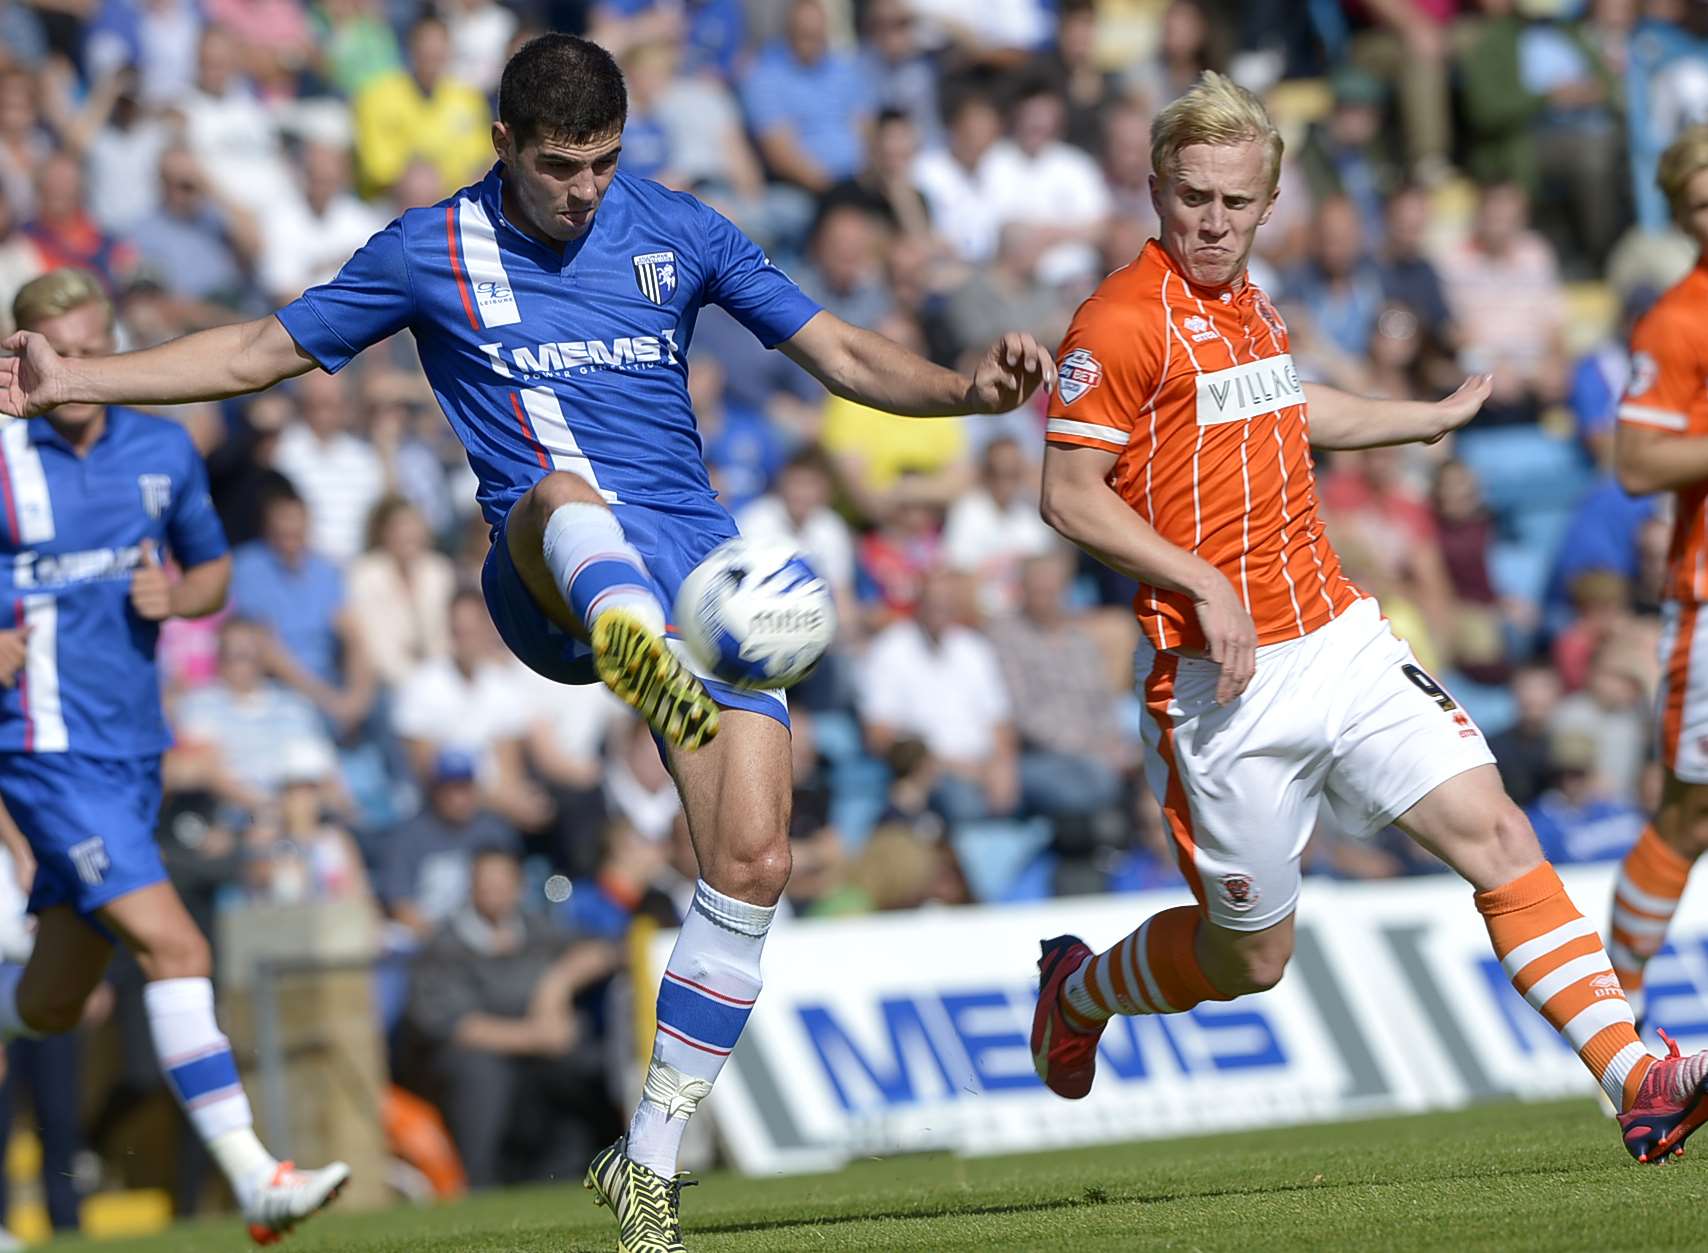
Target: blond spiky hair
point(1684, 159)
point(56, 292)
point(1216, 110)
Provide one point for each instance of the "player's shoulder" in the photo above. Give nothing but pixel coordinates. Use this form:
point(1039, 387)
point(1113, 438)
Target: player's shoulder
point(1684, 303)
point(149, 430)
point(645, 196)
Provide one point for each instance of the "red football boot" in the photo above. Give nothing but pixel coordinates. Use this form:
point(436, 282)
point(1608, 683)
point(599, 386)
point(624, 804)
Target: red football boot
point(1065, 1059)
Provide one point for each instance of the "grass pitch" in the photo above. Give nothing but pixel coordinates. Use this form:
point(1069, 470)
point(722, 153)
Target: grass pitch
point(1508, 1176)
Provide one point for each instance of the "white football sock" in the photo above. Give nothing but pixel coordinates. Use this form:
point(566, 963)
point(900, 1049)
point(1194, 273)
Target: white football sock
point(595, 566)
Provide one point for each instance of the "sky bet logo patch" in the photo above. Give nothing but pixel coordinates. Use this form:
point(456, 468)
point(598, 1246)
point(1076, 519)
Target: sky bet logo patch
point(1078, 373)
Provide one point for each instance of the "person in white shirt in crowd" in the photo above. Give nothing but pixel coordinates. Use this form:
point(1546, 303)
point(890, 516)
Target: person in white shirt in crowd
point(162, 47)
point(481, 31)
point(638, 788)
point(400, 590)
point(569, 729)
point(1051, 189)
point(232, 132)
point(336, 471)
point(931, 679)
point(228, 732)
point(958, 179)
point(20, 261)
point(473, 699)
point(796, 511)
point(123, 152)
point(991, 530)
point(306, 240)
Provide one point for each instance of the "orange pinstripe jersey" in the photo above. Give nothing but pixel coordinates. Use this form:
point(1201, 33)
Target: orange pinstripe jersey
point(1195, 391)
point(1669, 389)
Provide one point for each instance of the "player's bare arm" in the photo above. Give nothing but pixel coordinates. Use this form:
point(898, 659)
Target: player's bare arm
point(198, 592)
point(1341, 420)
point(1653, 459)
point(1079, 503)
point(863, 366)
point(209, 365)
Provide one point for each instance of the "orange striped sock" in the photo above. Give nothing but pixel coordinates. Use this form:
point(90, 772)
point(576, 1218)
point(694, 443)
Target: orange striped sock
point(1651, 880)
point(1554, 958)
point(1152, 971)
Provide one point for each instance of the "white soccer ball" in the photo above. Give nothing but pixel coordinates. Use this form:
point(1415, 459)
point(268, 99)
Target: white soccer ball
point(755, 615)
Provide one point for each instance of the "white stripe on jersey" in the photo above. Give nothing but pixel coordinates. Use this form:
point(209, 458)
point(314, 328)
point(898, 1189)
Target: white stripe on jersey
point(551, 428)
point(29, 484)
point(492, 293)
point(41, 677)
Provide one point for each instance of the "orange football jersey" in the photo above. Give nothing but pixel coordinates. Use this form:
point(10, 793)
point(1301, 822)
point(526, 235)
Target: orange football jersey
point(1195, 391)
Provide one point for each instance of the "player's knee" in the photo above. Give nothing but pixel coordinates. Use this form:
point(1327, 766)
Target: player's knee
point(1692, 822)
point(1255, 970)
point(560, 487)
point(758, 876)
point(1512, 841)
point(50, 1011)
point(181, 953)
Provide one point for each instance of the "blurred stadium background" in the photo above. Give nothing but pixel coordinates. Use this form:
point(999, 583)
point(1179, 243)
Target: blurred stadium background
point(387, 824)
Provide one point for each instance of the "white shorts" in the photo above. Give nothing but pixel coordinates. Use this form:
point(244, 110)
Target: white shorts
point(1681, 704)
point(1344, 714)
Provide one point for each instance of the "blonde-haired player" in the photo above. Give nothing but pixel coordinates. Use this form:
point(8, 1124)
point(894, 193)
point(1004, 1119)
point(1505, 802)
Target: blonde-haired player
point(1662, 445)
point(1179, 454)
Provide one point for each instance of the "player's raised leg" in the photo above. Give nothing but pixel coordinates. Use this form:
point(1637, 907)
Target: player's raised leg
point(579, 567)
point(736, 794)
point(1651, 882)
point(1556, 961)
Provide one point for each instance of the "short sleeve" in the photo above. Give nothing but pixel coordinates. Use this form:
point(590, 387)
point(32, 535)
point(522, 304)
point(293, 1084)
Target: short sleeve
point(1105, 373)
point(1666, 387)
point(741, 279)
point(369, 300)
point(193, 530)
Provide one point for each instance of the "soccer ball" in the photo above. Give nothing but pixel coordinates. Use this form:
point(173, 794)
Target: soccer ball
point(755, 615)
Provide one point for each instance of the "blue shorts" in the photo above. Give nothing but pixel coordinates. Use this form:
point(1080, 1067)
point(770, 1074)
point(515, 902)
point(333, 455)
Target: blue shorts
point(671, 544)
point(90, 822)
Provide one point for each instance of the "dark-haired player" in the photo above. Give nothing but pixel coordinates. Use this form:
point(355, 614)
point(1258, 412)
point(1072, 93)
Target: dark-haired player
point(554, 303)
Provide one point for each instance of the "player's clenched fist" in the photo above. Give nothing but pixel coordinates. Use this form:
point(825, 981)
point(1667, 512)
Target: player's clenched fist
point(1015, 366)
point(31, 381)
point(14, 650)
point(150, 593)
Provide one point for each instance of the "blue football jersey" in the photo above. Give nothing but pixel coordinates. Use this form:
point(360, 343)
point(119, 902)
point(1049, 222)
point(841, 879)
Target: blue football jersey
point(557, 361)
point(70, 535)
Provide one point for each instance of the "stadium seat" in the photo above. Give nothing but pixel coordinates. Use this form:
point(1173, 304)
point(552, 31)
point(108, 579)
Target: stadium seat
point(994, 854)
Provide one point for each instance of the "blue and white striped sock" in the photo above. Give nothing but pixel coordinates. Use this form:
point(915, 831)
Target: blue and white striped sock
point(709, 987)
point(595, 566)
point(195, 1058)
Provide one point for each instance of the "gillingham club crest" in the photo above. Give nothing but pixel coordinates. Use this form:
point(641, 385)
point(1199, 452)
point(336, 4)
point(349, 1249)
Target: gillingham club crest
point(655, 275)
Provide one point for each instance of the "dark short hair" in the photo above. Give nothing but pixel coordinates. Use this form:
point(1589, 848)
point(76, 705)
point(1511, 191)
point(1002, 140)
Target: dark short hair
point(562, 86)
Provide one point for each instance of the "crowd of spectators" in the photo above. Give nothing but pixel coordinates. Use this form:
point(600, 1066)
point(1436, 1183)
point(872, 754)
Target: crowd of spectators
point(1468, 187)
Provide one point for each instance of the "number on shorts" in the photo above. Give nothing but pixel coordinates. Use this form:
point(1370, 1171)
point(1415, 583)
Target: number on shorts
point(1428, 686)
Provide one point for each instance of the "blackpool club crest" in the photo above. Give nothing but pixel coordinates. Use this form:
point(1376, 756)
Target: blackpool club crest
point(655, 275)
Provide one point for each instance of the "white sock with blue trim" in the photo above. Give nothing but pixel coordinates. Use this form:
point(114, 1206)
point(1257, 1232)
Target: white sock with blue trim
point(595, 566)
point(709, 986)
point(196, 1061)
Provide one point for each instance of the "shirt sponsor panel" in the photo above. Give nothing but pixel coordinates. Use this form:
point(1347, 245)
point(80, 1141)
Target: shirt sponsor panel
point(1248, 391)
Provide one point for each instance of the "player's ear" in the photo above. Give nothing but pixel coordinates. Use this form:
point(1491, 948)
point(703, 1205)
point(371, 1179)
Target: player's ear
point(1156, 194)
point(1270, 207)
point(501, 142)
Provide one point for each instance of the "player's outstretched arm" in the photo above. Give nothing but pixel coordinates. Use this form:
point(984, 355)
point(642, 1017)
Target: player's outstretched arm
point(865, 367)
point(209, 365)
point(1081, 506)
point(1341, 420)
